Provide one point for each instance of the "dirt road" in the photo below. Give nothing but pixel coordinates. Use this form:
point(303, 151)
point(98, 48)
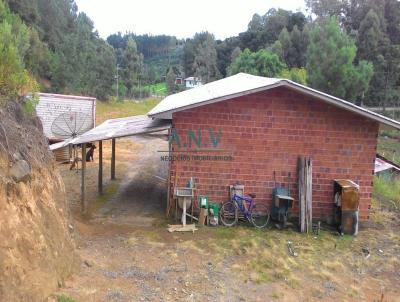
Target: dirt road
point(141, 196)
point(127, 254)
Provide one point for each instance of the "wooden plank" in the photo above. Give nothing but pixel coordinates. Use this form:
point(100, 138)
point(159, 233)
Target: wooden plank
point(172, 200)
point(181, 228)
point(184, 211)
point(100, 179)
point(306, 194)
point(203, 216)
point(83, 184)
point(113, 159)
point(310, 195)
point(301, 195)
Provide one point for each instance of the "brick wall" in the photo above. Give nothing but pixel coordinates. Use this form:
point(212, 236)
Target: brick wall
point(267, 132)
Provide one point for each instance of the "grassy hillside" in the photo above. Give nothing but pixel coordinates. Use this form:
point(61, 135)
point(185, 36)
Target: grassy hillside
point(159, 89)
point(110, 110)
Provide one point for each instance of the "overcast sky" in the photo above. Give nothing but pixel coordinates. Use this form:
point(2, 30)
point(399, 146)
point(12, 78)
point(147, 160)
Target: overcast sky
point(223, 18)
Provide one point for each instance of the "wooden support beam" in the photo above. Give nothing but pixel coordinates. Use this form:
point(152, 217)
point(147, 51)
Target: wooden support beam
point(100, 181)
point(83, 184)
point(113, 159)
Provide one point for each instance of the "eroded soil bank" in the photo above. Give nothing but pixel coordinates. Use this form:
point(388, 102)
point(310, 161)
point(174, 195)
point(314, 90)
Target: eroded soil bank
point(36, 245)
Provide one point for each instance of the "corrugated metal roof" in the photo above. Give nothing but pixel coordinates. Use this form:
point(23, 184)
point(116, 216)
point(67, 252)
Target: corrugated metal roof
point(245, 84)
point(117, 128)
point(51, 106)
point(214, 91)
point(382, 165)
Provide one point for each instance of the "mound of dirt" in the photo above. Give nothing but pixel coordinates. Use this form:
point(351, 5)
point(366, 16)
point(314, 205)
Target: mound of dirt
point(36, 244)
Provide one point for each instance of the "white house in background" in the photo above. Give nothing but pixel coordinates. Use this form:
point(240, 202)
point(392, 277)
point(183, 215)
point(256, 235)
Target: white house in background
point(192, 82)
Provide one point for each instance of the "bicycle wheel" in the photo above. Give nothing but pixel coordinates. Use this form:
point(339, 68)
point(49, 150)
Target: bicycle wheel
point(259, 217)
point(228, 214)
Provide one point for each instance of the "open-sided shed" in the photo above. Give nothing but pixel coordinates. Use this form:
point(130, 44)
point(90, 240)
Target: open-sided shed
point(111, 130)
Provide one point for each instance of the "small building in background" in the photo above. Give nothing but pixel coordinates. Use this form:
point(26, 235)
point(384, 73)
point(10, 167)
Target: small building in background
point(178, 81)
point(385, 168)
point(64, 116)
point(192, 82)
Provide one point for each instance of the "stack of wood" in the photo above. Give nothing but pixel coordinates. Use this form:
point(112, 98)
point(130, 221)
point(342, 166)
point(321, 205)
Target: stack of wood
point(305, 194)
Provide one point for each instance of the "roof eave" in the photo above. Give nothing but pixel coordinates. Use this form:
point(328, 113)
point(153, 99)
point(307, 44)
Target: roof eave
point(297, 87)
point(343, 104)
point(168, 113)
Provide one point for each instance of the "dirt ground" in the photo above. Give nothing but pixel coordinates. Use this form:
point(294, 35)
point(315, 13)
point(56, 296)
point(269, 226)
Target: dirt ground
point(128, 255)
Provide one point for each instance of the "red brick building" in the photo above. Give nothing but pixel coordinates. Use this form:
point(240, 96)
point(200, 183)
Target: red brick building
point(243, 128)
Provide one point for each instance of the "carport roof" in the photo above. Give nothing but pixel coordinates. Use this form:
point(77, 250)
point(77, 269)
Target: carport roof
point(117, 128)
point(244, 84)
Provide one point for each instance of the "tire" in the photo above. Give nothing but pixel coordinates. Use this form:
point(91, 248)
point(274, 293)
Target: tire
point(228, 214)
point(259, 217)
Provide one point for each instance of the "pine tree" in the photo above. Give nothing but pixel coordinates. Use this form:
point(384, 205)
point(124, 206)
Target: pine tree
point(330, 58)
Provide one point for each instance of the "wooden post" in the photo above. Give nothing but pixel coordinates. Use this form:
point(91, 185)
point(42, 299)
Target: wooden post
point(83, 185)
point(309, 194)
point(113, 159)
point(169, 176)
point(301, 194)
point(100, 181)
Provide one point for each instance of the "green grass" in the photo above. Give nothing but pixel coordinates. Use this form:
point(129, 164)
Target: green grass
point(389, 145)
point(64, 298)
point(110, 110)
point(388, 189)
point(158, 89)
point(392, 133)
point(108, 192)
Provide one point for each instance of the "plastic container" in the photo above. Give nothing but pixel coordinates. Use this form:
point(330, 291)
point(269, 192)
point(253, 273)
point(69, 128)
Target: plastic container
point(203, 202)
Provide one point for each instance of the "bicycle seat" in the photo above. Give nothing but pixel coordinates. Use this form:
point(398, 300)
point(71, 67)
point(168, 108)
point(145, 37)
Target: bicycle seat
point(252, 195)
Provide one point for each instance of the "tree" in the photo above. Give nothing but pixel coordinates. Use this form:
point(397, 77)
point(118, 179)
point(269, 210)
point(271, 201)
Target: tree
point(262, 63)
point(83, 63)
point(38, 57)
point(326, 8)
point(170, 81)
point(225, 50)
point(286, 43)
point(264, 30)
point(235, 54)
point(131, 65)
point(330, 58)
point(369, 36)
point(392, 17)
point(200, 57)
point(376, 27)
point(298, 75)
point(14, 43)
point(299, 43)
point(205, 61)
point(277, 49)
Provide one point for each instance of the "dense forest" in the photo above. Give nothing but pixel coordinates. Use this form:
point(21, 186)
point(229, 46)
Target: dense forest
point(348, 48)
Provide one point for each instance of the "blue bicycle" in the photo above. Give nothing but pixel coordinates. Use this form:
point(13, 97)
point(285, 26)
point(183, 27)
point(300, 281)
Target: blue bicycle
point(255, 214)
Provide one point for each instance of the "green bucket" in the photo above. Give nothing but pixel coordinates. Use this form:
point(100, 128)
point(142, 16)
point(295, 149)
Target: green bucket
point(214, 209)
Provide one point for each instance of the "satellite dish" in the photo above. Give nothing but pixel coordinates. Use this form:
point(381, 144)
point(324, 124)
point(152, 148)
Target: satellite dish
point(71, 124)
